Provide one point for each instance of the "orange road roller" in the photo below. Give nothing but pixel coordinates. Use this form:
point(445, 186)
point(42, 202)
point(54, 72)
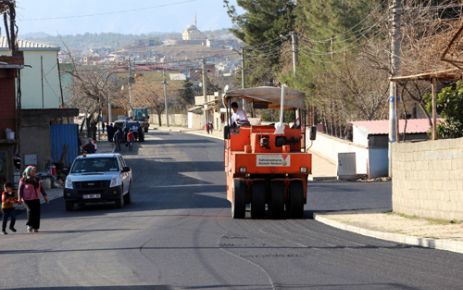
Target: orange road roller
point(266, 166)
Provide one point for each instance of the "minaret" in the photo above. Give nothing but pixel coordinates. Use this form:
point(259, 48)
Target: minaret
point(196, 19)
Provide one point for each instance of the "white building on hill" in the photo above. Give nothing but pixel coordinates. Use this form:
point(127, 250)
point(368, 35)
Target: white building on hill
point(192, 33)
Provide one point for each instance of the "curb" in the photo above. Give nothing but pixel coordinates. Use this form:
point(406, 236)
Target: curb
point(323, 178)
point(438, 244)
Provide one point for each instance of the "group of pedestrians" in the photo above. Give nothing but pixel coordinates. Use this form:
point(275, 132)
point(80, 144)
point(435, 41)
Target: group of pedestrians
point(30, 190)
point(120, 136)
point(209, 127)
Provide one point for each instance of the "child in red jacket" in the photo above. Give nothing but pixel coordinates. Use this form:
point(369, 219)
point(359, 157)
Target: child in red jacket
point(8, 200)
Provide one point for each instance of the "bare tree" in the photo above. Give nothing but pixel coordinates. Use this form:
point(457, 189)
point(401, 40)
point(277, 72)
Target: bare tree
point(92, 87)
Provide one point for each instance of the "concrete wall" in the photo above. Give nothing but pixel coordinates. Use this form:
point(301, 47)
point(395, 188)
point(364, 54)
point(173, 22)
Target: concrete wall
point(428, 179)
point(329, 147)
point(195, 121)
point(31, 81)
point(178, 120)
point(360, 136)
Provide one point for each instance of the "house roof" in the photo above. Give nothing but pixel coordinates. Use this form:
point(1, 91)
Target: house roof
point(381, 127)
point(27, 45)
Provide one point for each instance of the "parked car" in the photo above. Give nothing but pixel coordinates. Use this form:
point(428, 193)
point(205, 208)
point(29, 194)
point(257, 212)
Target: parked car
point(103, 177)
point(133, 126)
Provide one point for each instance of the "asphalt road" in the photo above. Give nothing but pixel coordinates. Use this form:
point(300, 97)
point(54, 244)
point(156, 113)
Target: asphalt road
point(178, 234)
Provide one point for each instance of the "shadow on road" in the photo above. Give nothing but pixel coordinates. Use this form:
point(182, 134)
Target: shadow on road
point(356, 286)
point(180, 141)
point(134, 287)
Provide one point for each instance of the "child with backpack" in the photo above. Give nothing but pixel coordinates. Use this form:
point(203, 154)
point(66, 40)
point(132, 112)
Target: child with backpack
point(8, 200)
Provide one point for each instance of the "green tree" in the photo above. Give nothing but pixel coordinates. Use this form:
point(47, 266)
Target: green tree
point(187, 93)
point(263, 27)
point(338, 80)
point(449, 105)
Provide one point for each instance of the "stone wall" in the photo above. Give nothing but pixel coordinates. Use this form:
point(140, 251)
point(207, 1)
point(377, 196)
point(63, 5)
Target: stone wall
point(428, 179)
point(177, 120)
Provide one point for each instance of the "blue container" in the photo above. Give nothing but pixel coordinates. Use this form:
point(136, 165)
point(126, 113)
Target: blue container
point(64, 138)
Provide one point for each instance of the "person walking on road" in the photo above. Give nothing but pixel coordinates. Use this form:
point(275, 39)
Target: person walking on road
point(117, 140)
point(211, 127)
point(30, 191)
point(110, 131)
point(9, 212)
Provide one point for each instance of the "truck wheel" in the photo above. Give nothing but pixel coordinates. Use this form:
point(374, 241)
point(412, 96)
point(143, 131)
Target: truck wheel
point(120, 202)
point(277, 199)
point(295, 204)
point(238, 207)
point(127, 198)
point(258, 200)
point(69, 205)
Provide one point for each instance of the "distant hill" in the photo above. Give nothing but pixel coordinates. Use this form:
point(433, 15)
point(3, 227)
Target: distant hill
point(112, 40)
point(90, 40)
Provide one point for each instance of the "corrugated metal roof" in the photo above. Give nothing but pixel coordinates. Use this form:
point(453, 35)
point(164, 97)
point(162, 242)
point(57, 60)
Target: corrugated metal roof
point(381, 127)
point(27, 45)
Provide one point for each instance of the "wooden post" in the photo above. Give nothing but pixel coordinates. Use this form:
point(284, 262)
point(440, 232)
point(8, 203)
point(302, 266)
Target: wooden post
point(434, 113)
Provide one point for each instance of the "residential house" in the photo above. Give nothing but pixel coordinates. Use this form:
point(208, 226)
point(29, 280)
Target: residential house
point(41, 106)
point(9, 67)
point(207, 110)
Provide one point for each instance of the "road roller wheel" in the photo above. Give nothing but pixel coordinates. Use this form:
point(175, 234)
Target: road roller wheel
point(277, 199)
point(295, 205)
point(258, 200)
point(238, 207)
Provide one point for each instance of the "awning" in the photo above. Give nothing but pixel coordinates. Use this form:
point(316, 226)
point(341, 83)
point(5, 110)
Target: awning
point(269, 97)
point(196, 109)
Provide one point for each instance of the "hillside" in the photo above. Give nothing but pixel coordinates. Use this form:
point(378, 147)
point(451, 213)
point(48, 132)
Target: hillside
point(112, 40)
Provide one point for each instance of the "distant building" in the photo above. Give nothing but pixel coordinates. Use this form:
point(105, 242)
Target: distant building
point(177, 77)
point(192, 33)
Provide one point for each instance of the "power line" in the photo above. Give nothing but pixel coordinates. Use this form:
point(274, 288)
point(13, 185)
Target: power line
point(111, 12)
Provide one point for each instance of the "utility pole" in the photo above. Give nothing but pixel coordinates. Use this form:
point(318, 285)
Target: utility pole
point(110, 117)
point(130, 86)
point(204, 69)
point(164, 84)
point(395, 11)
point(243, 84)
point(42, 85)
point(294, 54)
point(294, 51)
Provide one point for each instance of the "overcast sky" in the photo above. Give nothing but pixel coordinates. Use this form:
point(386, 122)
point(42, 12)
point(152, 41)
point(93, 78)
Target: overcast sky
point(122, 16)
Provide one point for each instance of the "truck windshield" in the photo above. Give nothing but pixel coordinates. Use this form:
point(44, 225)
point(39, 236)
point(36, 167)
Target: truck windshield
point(85, 165)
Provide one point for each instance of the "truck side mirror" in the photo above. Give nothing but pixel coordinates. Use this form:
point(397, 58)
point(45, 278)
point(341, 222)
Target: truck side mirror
point(226, 132)
point(313, 133)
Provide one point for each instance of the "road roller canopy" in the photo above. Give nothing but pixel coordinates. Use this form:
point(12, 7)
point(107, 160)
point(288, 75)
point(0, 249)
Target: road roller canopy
point(268, 97)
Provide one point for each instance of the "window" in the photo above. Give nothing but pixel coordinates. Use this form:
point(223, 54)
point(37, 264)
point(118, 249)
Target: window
point(85, 165)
